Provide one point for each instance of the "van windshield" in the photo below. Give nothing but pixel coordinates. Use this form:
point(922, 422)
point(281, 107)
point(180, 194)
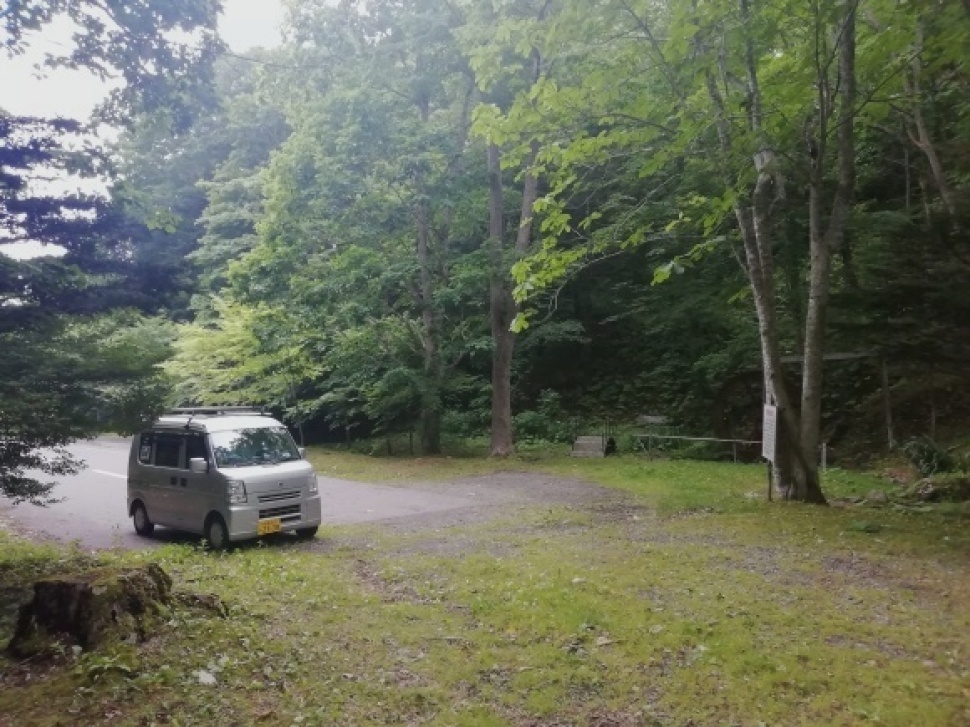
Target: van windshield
point(248, 447)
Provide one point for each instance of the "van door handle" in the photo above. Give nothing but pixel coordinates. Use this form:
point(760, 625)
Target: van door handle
point(172, 480)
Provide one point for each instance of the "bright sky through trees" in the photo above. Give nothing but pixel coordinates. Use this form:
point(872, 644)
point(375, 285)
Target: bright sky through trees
point(244, 24)
point(26, 91)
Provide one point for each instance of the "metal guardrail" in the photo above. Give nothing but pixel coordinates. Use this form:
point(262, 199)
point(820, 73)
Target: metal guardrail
point(648, 448)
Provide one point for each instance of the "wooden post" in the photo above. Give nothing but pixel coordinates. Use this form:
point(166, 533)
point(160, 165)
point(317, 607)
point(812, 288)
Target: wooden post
point(887, 404)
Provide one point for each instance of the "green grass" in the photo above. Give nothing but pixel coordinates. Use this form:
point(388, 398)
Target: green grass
point(692, 600)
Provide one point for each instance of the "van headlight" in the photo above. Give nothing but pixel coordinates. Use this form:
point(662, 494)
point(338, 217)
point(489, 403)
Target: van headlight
point(236, 491)
point(311, 483)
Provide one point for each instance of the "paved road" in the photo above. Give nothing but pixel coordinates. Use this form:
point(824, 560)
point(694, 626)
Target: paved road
point(93, 503)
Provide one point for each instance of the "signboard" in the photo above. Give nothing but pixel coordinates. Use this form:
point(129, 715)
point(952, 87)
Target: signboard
point(769, 432)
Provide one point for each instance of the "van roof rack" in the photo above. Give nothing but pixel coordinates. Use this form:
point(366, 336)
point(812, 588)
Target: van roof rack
point(218, 410)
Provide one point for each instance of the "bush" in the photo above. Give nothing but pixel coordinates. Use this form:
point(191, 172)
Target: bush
point(547, 423)
point(466, 424)
point(928, 456)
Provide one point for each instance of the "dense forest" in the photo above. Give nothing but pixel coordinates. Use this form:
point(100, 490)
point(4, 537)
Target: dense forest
point(507, 219)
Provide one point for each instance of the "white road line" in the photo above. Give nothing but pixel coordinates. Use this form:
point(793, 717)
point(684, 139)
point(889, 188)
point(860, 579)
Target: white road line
point(111, 474)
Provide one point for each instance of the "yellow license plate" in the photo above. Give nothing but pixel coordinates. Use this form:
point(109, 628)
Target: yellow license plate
point(265, 527)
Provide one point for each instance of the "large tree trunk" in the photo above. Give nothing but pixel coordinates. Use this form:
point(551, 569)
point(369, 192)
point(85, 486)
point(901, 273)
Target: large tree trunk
point(822, 243)
point(500, 313)
point(502, 308)
point(431, 396)
point(755, 225)
point(431, 333)
point(754, 217)
point(795, 467)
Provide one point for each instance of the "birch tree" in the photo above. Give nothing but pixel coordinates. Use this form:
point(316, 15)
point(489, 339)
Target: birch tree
point(758, 104)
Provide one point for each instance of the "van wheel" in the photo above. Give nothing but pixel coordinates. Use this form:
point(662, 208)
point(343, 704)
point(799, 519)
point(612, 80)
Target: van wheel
point(306, 533)
point(216, 533)
point(143, 525)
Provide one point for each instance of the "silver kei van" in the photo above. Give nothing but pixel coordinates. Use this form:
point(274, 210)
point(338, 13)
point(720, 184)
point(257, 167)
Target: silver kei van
point(227, 473)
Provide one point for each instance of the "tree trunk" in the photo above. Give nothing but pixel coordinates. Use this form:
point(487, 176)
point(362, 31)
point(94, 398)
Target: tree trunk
point(500, 309)
point(431, 334)
point(821, 245)
point(753, 215)
point(754, 223)
point(431, 397)
point(795, 467)
point(922, 138)
point(807, 484)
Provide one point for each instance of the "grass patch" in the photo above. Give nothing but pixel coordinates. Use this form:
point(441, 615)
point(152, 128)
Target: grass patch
point(688, 600)
point(337, 462)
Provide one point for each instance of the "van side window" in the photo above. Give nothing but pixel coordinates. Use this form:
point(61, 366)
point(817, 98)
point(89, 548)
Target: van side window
point(167, 448)
point(145, 448)
point(195, 448)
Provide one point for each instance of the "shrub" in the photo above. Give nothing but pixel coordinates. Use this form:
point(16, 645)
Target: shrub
point(928, 456)
point(547, 423)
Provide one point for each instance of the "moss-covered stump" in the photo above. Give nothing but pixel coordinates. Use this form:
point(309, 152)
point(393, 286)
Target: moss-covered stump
point(92, 608)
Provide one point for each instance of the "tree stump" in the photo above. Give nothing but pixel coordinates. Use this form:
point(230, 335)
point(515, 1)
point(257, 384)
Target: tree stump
point(92, 608)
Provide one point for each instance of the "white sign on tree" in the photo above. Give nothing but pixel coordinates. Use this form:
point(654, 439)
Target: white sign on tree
point(769, 432)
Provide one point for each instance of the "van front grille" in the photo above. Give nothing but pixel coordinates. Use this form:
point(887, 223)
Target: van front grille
point(282, 512)
point(277, 496)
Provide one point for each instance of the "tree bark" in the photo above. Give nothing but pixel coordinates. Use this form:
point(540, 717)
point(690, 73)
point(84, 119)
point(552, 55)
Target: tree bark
point(755, 225)
point(502, 305)
point(822, 243)
point(500, 308)
point(431, 397)
point(430, 339)
point(795, 467)
point(754, 216)
point(922, 138)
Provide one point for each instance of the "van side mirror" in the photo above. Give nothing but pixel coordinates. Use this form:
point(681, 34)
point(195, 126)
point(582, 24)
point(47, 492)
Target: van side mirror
point(302, 451)
point(198, 466)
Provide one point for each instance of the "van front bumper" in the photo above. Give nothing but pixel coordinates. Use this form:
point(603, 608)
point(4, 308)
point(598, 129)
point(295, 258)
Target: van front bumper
point(243, 520)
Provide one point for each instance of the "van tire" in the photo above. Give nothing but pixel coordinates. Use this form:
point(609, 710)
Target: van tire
point(216, 533)
point(143, 524)
point(306, 533)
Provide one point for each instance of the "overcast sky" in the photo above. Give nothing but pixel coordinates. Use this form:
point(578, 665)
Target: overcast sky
point(244, 24)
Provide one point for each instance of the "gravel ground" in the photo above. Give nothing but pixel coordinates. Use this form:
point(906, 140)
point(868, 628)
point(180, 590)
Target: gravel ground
point(496, 497)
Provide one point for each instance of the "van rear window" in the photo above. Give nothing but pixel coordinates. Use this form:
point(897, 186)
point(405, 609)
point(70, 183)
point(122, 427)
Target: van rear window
point(167, 448)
